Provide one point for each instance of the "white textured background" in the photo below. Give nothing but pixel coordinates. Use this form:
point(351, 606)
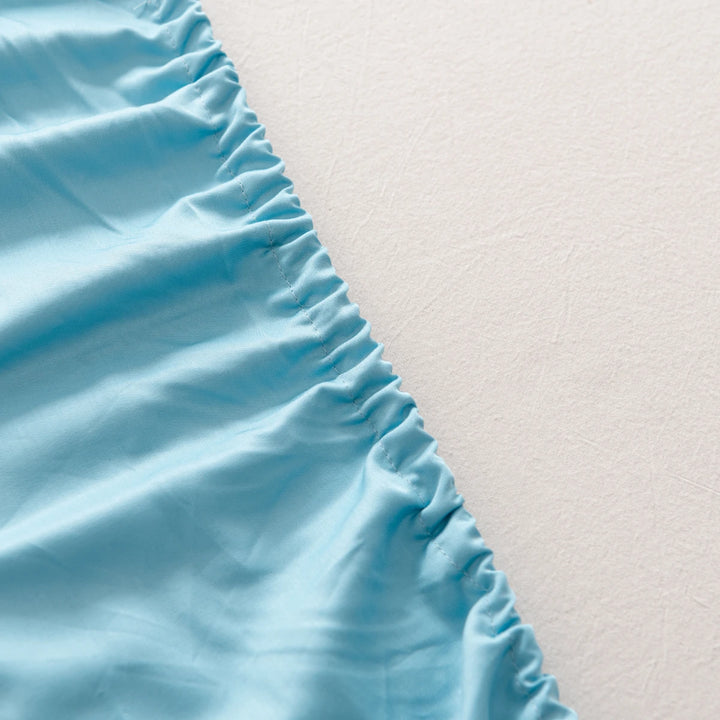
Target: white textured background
point(523, 198)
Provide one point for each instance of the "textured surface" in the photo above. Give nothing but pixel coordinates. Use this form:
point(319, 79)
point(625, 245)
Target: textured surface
point(524, 203)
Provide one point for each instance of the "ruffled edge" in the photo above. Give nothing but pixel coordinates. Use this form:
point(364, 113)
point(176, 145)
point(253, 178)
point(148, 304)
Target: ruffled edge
point(348, 350)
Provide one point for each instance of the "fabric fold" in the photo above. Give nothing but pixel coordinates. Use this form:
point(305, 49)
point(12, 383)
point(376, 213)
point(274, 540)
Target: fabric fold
point(215, 499)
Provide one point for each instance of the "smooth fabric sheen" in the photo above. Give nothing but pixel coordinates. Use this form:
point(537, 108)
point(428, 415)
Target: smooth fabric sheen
point(215, 501)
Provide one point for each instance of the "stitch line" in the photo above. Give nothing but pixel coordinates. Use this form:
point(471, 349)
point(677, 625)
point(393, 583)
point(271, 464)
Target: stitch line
point(433, 540)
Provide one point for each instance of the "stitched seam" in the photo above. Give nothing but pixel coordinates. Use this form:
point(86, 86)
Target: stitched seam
point(432, 538)
point(326, 352)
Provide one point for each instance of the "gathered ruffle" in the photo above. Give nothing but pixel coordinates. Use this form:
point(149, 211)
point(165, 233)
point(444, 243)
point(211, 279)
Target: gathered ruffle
point(420, 549)
point(501, 661)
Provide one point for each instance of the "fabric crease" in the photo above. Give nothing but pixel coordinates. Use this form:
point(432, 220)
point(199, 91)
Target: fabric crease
point(215, 500)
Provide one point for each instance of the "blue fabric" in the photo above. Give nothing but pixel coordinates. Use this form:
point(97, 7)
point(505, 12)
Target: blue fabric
point(215, 501)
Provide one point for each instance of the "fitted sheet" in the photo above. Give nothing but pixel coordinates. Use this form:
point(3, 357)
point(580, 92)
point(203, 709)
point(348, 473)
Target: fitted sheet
point(215, 499)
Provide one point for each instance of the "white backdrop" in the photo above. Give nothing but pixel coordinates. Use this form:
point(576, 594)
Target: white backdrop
point(523, 199)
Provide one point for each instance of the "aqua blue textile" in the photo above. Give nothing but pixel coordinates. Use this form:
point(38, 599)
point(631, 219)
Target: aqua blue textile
point(215, 501)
